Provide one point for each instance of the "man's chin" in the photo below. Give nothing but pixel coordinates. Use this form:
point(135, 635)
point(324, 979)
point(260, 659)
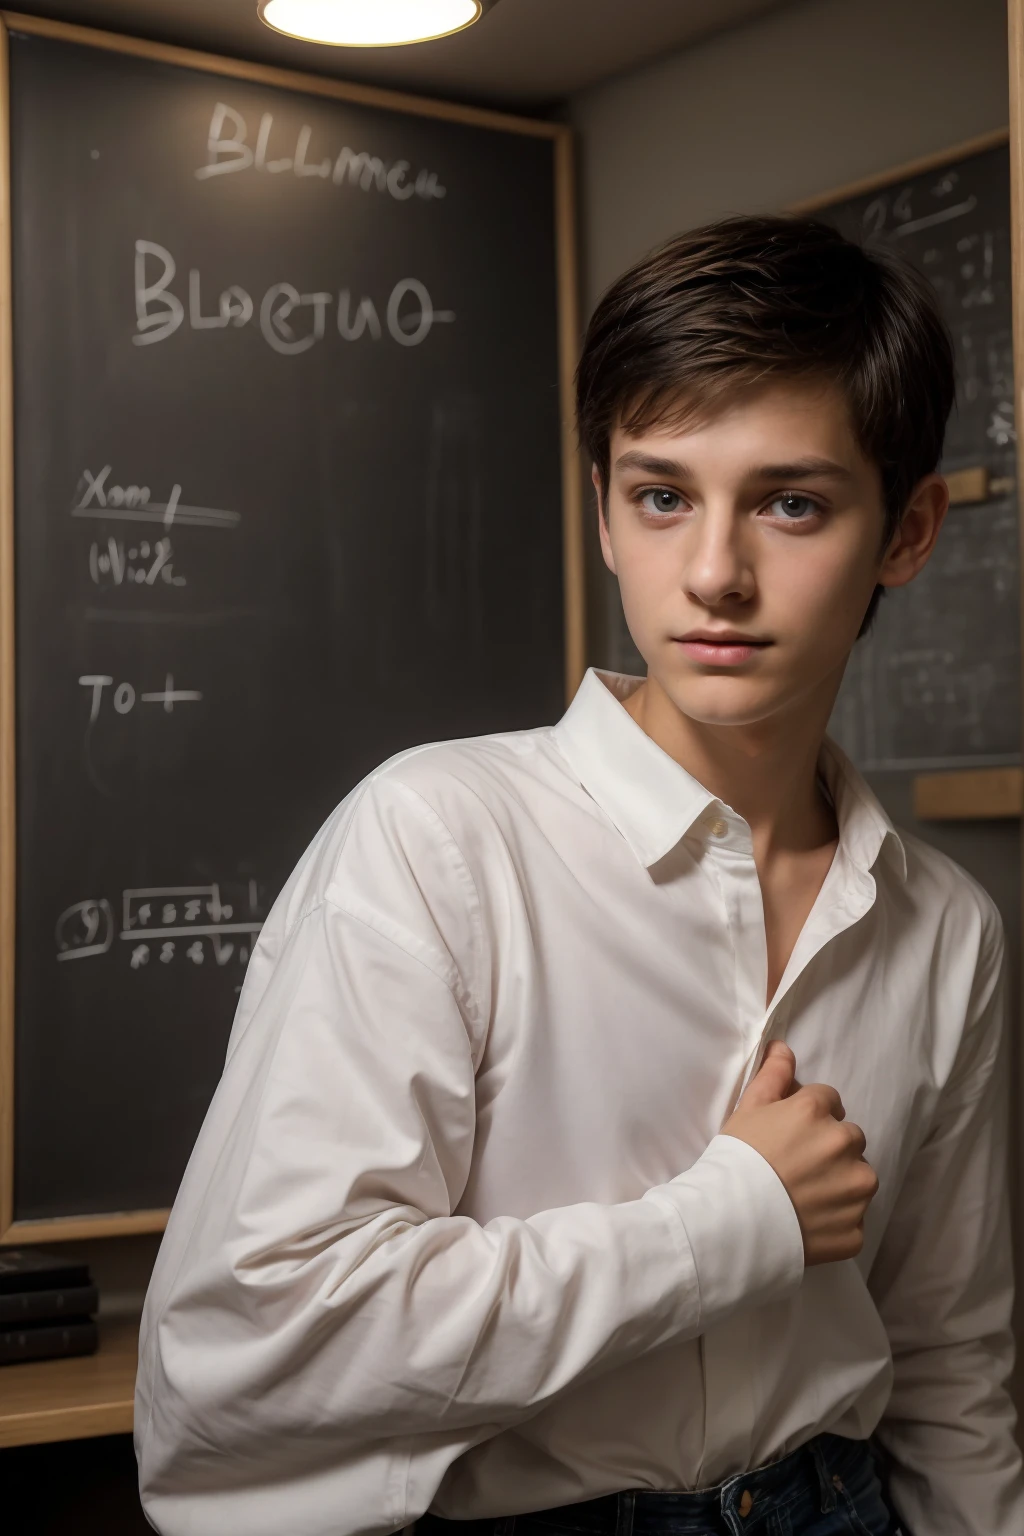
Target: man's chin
point(722, 702)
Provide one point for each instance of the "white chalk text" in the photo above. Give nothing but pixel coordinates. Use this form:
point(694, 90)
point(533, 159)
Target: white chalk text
point(229, 150)
point(290, 321)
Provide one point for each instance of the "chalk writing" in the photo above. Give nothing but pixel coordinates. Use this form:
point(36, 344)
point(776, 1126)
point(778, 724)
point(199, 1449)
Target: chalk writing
point(87, 928)
point(408, 314)
point(160, 924)
point(116, 564)
point(927, 694)
point(897, 214)
point(96, 497)
point(229, 150)
point(125, 696)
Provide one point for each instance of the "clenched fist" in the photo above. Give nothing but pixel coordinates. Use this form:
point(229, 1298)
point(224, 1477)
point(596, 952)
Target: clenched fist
point(804, 1135)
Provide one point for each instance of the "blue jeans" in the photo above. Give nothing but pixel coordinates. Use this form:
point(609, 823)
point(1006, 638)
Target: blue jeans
point(830, 1487)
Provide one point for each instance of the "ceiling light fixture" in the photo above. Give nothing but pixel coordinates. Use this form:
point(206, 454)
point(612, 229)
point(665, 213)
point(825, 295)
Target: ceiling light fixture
point(371, 23)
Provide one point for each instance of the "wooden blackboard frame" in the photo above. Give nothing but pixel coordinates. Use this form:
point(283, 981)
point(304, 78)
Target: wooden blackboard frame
point(126, 1222)
point(961, 151)
point(1015, 41)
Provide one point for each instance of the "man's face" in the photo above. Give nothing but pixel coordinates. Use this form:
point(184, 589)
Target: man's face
point(747, 547)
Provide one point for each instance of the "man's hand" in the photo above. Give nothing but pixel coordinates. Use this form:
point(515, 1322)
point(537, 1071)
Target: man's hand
point(803, 1134)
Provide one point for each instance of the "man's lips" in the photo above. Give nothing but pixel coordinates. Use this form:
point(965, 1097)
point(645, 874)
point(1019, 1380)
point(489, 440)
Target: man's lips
point(721, 650)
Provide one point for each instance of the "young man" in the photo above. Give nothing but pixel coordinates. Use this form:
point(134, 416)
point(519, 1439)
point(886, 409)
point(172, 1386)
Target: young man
point(510, 1202)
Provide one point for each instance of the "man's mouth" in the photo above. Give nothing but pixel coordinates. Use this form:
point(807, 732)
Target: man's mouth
point(723, 648)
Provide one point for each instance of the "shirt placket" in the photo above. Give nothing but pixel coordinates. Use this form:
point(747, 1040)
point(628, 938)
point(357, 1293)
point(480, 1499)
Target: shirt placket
point(728, 1399)
point(728, 1351)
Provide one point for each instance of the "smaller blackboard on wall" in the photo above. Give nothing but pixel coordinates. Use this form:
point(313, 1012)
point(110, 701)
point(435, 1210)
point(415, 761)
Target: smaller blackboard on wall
point(936, 684)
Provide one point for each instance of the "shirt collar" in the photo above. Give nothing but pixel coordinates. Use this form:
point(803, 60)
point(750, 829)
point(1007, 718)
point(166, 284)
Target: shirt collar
point(654, 802)
point(864, 828)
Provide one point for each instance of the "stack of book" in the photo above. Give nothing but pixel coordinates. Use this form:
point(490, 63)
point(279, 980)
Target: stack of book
point(46, 1306)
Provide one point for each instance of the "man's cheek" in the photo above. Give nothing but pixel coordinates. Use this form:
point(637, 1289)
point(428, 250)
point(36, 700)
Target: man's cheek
point(823, 621)
point(817, 596)
point(642, 590)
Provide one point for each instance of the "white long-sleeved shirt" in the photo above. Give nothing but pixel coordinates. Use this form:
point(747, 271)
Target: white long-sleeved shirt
point(460, 1230)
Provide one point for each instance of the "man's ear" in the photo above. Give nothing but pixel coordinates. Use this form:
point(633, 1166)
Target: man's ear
point(912, 543)
point(602, 520)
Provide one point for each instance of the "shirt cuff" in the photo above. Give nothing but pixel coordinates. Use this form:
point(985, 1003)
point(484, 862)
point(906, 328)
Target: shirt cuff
point(740, 1227)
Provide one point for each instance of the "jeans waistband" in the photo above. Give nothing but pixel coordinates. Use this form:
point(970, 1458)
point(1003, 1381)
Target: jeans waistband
point(820, 1467)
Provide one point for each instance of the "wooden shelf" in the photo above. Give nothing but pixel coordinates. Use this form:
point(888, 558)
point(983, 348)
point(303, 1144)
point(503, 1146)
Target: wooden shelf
point(976, 794)
point(73, 1399)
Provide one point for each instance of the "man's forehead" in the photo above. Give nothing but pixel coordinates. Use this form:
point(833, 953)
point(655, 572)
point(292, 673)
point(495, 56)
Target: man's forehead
point(778, 423)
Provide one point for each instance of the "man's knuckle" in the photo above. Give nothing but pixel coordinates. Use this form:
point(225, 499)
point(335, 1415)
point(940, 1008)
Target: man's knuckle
point(819, 1099)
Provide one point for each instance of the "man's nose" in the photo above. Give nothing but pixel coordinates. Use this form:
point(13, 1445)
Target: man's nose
point(717, 565)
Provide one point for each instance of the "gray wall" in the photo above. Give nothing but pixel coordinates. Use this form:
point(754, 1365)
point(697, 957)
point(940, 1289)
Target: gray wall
point(803, 100)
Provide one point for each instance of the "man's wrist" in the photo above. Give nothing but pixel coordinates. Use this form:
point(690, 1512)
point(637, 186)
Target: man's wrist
point(740, 1225)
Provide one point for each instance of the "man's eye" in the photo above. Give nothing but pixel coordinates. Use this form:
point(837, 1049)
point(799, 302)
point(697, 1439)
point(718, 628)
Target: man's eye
point(794, 508)
point(661, 501)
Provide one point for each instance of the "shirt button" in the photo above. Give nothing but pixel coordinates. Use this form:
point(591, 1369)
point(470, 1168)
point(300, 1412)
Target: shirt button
point(719, 827)
point(746, 1503)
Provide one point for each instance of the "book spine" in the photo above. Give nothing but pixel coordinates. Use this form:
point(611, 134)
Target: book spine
point(48, 1342)
point(36, 1306)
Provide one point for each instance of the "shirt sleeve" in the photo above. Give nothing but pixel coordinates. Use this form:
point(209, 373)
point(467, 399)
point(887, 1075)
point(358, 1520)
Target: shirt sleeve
point(321, 1317)
point(943, 1284)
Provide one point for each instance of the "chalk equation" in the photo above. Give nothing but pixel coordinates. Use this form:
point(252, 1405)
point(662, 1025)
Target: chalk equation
point(909, 209)
point(985, 387)
point(161, 925)
point(86, 928)
point(971, 274)
point(289, 321)
point(230, 150)
point(97, 497)
point(125, 695)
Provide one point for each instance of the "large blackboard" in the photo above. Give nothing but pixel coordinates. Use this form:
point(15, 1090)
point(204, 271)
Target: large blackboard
point(936, 683)
point(287, 500)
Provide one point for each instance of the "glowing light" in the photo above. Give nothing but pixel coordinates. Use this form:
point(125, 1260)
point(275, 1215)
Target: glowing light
point(369, 23)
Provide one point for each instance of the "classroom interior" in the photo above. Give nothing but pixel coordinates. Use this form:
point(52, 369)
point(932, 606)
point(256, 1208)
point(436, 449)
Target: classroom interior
point(636, 121)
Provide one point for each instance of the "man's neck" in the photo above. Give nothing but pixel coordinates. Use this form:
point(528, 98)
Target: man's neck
point(767, 772)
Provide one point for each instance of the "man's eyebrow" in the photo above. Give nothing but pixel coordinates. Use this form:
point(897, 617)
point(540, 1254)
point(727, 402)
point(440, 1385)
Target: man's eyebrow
point(796, 469)
point(634, 459)
point(801, 469)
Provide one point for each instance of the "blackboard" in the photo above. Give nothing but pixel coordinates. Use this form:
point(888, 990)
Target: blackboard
point(287, 499)
point(936, 683)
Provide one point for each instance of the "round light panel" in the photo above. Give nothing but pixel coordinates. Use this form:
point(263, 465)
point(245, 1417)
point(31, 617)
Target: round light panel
point(370, 23)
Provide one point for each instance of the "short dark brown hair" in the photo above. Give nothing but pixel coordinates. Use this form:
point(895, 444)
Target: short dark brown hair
point(750, 300)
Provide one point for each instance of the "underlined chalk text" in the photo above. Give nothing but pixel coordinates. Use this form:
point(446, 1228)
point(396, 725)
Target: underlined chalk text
point(289, 320)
